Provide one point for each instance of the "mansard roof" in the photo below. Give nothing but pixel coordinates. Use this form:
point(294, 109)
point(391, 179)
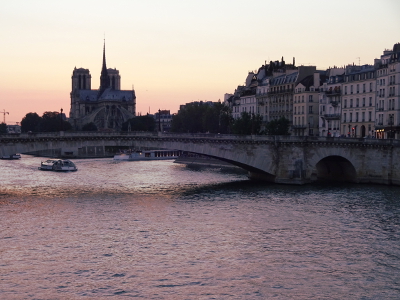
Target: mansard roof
point(308, 81)
point(284, 79)
point(108, 95)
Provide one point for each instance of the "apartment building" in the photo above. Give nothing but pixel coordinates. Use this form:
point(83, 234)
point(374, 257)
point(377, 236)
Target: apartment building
point(330, 103)
point(358, 107)
point(306, 106)
point(387, 93)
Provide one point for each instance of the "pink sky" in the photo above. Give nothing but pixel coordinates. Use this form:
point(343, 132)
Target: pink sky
point(175, 52)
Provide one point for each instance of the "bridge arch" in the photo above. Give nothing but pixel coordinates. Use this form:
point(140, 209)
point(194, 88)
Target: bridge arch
point(253, 171)
point(336, 168)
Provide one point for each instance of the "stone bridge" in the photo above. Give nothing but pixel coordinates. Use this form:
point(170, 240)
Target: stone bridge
point(280, 159)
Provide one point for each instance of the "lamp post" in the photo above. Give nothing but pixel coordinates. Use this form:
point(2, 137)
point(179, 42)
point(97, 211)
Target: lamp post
point(61, 120)
point(328, 129)
point(159, 120)
point(391, 126)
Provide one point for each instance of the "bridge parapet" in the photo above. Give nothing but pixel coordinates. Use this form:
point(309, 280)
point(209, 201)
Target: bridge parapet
point(278, 138)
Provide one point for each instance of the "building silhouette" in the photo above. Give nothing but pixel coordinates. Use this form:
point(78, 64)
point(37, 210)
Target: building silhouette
point(107, 107)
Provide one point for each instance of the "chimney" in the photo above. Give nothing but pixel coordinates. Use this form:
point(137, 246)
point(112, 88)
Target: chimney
point(316, 80)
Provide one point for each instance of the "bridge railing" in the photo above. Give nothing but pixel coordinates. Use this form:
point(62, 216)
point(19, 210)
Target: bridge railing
point(278, 138)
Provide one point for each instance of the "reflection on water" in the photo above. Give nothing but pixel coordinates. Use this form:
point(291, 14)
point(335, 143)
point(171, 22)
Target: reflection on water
point(158, 230)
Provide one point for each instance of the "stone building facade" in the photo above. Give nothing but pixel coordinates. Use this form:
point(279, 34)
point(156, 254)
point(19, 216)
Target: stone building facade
point(358, 107)
point(353, 101)
point(107, 107)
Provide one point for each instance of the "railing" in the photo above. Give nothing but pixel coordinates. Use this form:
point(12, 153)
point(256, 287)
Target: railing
point(334, 103)
point(332, 116)
point(165, 136)
point(333, 93)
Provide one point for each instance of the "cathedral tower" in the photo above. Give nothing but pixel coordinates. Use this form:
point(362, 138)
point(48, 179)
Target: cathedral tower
point(81, 79)
point(108, 107)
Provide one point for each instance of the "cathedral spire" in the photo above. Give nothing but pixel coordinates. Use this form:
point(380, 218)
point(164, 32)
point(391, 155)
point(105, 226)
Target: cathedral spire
point(104, 80)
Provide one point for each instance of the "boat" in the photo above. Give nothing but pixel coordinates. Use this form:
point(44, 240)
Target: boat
point(12, 156)
point(47, 165)
point(60, 165)
point(147, 155)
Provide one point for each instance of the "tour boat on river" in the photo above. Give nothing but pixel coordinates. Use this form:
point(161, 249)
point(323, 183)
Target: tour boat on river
point(12, 156)
point(60, 165)
point(147, 155)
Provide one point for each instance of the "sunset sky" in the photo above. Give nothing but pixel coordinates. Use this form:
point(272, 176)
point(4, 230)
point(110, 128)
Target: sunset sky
point(177, 51)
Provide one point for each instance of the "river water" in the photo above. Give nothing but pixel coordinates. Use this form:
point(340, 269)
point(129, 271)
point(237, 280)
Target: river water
point(159, 230)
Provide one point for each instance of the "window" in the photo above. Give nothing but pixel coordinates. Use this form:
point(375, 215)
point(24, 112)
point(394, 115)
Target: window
point(363, 117)
point(310, 109)
point(363, 87)
point(344, 117)
point(351, 89)
point(351, 117)
point(351, 102)
point(345, 103)
point(356, 116)
point(310, 98)
point(370, 101)
point(357, 102)
point(363, 103)
point(345, 90)
point(358, 88)
point(370, 116)
point(370, 87)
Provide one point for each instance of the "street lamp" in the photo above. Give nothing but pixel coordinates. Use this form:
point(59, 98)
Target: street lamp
point(61, 120)
point(391, 126)
point(159, 120)
point(328, 129)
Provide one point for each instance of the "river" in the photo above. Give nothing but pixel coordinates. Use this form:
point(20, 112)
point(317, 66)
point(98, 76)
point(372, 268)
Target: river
point(160, 230)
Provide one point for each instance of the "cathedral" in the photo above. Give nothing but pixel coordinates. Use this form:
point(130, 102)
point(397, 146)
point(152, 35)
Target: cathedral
point(108, 107)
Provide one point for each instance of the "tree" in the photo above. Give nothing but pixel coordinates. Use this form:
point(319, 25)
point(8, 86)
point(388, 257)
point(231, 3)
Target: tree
point(247, 124)
point(30, 122)
point(278, 127)
point(3, 128)
point(52, 121)
point(89, 127)
point(202, 117)
point(140, 123)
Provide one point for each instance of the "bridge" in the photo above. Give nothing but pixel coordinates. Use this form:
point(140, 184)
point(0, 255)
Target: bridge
point(280, 159)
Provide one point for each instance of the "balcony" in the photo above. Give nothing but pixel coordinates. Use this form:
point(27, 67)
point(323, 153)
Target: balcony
point(299, 126)
point(332, 116)
point(334, 92)
point(334, 103)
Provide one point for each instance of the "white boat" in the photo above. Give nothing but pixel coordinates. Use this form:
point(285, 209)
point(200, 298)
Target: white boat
point(47, 165)
point(12, 156)
point(61, 165)
point(147, 155)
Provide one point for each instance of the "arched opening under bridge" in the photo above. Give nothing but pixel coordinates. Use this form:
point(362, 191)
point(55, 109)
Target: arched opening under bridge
point(336, 168)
